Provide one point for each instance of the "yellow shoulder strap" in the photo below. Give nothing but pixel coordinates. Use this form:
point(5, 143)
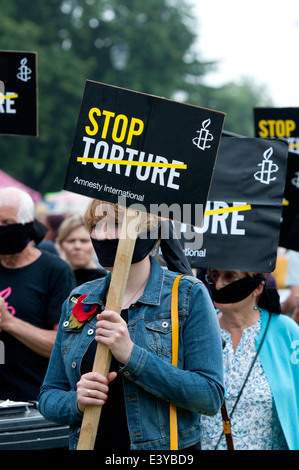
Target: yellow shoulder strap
point(175, 346)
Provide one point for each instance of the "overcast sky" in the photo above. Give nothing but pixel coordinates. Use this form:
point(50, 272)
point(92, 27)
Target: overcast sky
point(257, 39)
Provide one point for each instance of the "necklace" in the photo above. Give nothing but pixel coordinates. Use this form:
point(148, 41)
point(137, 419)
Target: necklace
point(128, 303)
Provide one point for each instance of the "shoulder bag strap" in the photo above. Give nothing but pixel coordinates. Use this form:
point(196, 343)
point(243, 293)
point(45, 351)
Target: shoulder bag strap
point(227, 427)
point(175, 345)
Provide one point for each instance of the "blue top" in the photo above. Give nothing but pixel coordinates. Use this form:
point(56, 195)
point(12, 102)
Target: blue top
point(269, 404)
point(280, 359)
point(255, 424)
point(150, 380)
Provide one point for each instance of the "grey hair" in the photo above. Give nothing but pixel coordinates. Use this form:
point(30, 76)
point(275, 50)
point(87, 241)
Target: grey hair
point(19, 198)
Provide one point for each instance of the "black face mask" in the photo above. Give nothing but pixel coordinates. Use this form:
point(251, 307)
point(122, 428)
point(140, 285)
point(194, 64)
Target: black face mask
point(172, 250)
point(237, 290)
point(106, 250)
point(15, 237)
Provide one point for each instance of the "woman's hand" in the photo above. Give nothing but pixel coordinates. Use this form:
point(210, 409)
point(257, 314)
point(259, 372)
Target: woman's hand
point(92, 389)
point(113, 332)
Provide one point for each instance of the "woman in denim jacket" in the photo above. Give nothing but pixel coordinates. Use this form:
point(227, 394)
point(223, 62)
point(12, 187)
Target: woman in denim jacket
point(142, 381)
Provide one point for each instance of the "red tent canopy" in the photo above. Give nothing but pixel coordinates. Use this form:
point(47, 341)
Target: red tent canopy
point(6, 180)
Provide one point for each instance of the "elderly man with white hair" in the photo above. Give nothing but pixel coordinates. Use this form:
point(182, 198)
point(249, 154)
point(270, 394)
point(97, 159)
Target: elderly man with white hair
point(33, 286)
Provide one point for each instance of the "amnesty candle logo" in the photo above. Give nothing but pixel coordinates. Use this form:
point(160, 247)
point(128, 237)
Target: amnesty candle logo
point(267, 168)
point(24, 71)
point(204, 136)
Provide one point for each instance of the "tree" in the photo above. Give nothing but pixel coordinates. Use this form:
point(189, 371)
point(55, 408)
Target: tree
point(74, 40)
point(41, 162)
point(237, 100)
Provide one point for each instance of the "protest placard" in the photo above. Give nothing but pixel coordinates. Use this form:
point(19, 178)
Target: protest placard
point(242, 219)
point(149, 150)
point(284, 122)
point(18, 93)
point(278, 122)
point(289, 229)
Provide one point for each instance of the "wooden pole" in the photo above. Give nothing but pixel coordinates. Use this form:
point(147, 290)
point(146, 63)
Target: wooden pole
point(115, 297)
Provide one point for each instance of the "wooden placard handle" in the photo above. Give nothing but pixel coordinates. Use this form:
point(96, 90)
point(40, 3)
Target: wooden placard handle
point(115, 297)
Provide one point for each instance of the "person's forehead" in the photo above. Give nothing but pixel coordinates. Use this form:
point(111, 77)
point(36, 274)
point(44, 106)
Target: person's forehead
point(78, 232)
point(8, 213)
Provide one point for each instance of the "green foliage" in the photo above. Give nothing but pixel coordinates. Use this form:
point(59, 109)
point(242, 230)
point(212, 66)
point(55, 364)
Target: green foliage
point(73, 39)
point(237, 100)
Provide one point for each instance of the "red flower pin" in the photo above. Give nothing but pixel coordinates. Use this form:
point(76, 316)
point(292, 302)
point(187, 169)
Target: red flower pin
point(81, 312)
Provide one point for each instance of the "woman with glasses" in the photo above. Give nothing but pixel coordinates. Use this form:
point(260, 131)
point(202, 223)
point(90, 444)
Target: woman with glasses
point(261, 365)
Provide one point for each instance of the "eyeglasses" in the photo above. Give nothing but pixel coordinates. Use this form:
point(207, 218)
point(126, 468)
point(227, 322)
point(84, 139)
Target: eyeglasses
point(228, 276)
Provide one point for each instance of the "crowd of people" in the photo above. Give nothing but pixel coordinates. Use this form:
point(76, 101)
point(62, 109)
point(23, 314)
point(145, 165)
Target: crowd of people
point(238, 343)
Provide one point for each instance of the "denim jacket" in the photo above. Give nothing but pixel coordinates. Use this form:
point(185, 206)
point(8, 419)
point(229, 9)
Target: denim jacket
point(151, 382)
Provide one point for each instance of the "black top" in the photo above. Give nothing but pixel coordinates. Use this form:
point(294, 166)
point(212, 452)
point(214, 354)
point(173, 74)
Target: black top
point(113, 430)
point(113, 434)
point(85, 275)
point(35, 294)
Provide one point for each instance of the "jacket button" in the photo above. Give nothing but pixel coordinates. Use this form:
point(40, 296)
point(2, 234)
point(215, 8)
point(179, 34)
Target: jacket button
point(66, 323)
point(90, 331)
point(74, 365)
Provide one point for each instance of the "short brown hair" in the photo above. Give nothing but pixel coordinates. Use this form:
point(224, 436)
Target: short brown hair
point(98, 209)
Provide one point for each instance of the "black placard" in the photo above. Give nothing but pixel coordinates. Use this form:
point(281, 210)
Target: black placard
point(289, 230)
point(124, 126)
point(250, 175)
point(18, 93)
point(284, 122)
point(278, 122)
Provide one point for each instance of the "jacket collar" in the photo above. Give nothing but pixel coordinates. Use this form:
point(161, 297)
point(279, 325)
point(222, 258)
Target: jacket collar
point(153, 288)
point(98, 289)
point(151, 294)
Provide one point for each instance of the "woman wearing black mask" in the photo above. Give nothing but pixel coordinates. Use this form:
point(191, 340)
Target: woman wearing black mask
point(142, 380)
point(260, 364)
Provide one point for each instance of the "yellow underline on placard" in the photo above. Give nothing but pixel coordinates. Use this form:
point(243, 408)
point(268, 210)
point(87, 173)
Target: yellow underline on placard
point(228, 209)
point(5, 97)
point(132, 163)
